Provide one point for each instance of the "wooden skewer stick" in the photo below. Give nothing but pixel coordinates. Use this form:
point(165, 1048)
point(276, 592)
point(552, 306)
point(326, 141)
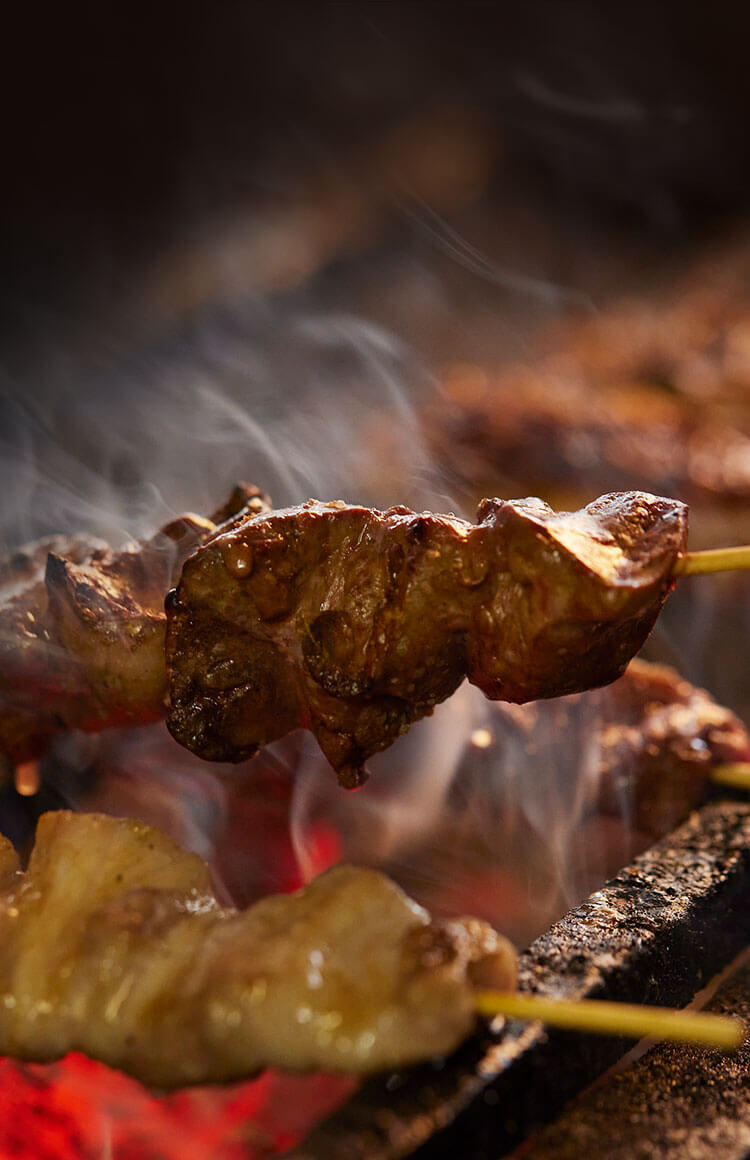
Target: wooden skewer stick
point(713, 560)
point(735, 773)
point(626, 1019)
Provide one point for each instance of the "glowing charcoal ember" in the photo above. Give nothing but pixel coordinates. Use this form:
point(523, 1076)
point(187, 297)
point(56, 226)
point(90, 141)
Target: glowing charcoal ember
point(82, 629)
point(355, 623)
point(254, 852)
point(83, 1109)
point(113, 943)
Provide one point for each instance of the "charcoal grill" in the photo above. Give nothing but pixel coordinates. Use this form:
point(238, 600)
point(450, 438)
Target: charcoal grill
point(675, 1102)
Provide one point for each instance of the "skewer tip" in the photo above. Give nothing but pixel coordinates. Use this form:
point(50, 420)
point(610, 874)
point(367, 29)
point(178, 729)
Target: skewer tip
point(735, 774)
point(712, 560)
point(629, 1020)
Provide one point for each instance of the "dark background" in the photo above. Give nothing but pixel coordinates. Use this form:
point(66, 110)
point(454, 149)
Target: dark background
point(146, 362)
point(126, 124)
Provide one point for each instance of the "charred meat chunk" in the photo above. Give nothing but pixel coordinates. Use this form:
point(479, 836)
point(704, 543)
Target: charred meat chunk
point(354, 623)
point(113, 943)
point(82, 629)
point(650, 742)
point(659, 742)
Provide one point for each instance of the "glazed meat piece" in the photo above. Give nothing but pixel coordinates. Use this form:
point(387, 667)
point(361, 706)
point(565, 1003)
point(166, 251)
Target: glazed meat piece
point(650, 392)
point(660, 741)
point(82, 629)
point(112, 943)
point(354, 623)
point(650, 741)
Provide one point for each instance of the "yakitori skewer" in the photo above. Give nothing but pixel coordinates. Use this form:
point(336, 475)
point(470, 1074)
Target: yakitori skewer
point(602, 1017)
point(734, 774)
point(347, 621)
point(115, 944)
point(713, 560)
point(354, 623)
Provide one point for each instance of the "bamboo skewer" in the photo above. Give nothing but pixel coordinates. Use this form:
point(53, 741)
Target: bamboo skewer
point(606, 1018)
point(713, 560)
point(735, 774)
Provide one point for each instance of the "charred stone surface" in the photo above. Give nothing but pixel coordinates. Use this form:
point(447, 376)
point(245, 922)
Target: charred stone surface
point(655, 933)
point(675, 1103)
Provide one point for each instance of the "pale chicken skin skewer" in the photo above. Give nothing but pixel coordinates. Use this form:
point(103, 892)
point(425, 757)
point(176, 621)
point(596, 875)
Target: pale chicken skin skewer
point(113, 943)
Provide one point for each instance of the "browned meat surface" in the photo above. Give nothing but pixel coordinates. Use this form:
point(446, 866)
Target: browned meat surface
point(354, 623)
point(660, 739)
point(82, 630)
point(113, 943)
point(691, 340)
point(651, 739)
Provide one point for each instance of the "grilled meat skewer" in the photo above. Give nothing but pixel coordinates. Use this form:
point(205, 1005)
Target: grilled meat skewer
point(355, 623)
point(351, 621)
point(646, 393)
point(655, 737)
point(113, 943)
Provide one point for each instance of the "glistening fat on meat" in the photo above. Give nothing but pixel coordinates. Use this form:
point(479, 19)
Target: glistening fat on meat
point(113, 943)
